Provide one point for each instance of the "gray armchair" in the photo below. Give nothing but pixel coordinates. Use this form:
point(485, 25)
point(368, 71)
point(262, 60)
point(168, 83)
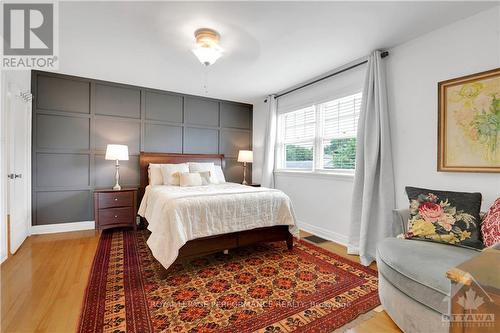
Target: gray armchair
point(413, 287)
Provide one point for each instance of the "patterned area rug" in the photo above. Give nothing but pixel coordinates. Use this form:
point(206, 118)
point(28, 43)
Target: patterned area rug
point(264, 288)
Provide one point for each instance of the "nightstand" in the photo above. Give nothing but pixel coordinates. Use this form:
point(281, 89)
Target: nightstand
point(115, 208)
point(254, 185)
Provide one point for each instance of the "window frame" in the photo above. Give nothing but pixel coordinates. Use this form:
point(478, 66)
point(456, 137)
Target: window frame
point(318, 149)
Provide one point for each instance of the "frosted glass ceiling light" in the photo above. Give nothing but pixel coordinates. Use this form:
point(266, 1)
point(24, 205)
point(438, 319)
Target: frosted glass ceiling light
point(207, 48)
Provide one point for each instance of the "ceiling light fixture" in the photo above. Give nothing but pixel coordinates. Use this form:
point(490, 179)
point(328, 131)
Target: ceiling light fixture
point(207, 48)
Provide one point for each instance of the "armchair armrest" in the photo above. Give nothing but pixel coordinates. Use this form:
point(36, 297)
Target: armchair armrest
point(399, 221)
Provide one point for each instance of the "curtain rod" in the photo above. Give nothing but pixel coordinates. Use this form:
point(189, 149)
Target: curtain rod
point(383, 55)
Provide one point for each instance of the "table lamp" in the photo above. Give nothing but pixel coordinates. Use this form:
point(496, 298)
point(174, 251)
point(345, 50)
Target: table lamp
point(117, 153)
point(245, 156)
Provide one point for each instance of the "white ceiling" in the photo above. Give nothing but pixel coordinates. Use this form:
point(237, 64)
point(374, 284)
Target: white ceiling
point(269, 46)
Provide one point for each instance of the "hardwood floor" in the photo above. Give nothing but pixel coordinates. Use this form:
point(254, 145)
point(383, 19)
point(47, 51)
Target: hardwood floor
point(381, 322)
point(43, 284)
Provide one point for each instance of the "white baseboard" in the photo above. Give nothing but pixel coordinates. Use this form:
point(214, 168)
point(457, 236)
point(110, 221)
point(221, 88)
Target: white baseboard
point(62, 227)
point(323, 233)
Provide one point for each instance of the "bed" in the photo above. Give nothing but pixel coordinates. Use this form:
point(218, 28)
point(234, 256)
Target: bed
point(193, 221)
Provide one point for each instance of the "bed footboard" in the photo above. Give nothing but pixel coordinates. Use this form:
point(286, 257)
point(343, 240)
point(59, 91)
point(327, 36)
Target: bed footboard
point(207, 245)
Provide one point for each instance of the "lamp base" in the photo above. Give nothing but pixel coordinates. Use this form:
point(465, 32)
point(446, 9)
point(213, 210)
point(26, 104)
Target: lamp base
point(117, 186)
point(244, 174)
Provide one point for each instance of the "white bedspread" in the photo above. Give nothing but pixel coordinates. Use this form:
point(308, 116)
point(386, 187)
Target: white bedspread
point(179, 214)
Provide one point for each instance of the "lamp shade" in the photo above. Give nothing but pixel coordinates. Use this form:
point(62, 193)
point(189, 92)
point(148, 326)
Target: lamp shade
point(117, 152)
point(245, 156)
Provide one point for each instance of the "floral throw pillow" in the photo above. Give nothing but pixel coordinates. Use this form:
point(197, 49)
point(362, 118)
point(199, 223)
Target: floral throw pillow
point(490, 227)
point(444, 217)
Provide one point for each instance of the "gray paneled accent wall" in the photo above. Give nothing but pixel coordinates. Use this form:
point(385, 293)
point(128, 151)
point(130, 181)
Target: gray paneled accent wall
point(75, 118)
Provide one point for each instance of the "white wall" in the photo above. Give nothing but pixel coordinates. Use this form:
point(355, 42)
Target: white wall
point(319, 201)
point(322, 204)
point(414, 69)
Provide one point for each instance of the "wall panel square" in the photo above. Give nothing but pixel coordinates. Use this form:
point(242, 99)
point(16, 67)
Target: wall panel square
point(162, 138)
point(163, 107)
point(201, 141)
point(63, 207)
point(60, 94)
point(62, 170)
point(117, 101)
point(61, 132)
point(235, 115)
point(110, 131)
point(105, 172)
point(198, 111)
point(231, 142)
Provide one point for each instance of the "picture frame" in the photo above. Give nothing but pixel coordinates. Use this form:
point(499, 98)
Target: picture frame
point(469, 123)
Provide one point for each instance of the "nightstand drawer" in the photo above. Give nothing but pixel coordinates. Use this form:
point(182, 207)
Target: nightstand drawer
point(116, 199)
point(116, 216)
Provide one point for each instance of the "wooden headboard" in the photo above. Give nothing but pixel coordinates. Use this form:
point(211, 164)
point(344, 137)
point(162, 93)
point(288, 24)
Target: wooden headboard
point(170, 158)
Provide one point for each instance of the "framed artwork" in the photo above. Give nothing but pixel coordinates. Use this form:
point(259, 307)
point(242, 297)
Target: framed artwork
point(469, 123)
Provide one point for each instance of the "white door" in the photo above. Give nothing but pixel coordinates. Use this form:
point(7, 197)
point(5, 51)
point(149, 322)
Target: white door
point(19, 151)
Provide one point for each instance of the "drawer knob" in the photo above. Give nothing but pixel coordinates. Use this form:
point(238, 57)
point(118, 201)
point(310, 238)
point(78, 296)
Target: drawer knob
point(116, 216)
point(116, 199)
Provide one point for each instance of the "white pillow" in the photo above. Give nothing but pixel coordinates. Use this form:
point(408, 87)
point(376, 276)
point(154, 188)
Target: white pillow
point(219, 175)
point(197, 167)
point(190, 179)
point(154, 174)
point(171, 173)
point(204, 167)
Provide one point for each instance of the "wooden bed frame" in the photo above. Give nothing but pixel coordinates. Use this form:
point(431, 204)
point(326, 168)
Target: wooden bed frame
point(206, 245)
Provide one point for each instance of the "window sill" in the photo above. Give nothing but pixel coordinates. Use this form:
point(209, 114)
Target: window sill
point(316, 174)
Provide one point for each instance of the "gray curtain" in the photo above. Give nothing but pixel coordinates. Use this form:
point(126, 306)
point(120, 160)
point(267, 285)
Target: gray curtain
point(270, 143)
point(373, 197)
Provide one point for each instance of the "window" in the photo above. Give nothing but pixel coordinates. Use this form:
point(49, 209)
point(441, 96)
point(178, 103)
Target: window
point(320, 137)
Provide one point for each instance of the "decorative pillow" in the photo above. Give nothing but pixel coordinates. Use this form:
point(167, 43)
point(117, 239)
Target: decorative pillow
point(171, 173)
point(445, 217)
point(490, 227)
point(219, 175)
point(154, 173)
point(205, 177)
point(190, 179)
point(204, 167)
